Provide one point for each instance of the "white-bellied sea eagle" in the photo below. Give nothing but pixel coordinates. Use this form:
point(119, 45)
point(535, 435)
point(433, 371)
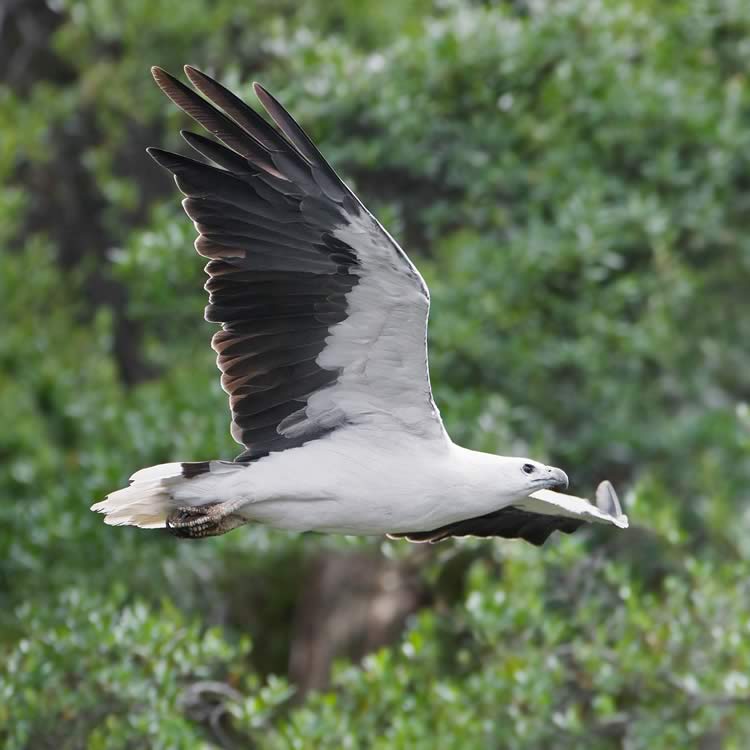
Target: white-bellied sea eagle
point(322, 350)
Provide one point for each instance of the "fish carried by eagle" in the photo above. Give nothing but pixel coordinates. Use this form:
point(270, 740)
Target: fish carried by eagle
point(322, 350)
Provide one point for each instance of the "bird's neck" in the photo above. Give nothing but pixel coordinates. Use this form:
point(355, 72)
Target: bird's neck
point(489, 479)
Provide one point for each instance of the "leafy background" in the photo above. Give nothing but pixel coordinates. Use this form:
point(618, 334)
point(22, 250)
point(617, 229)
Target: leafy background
point(572, 178)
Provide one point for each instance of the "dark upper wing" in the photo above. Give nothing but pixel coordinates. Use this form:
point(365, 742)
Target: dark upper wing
point(323, 315)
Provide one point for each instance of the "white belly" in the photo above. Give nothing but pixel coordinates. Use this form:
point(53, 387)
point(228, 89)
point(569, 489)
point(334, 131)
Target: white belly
point(352, 483)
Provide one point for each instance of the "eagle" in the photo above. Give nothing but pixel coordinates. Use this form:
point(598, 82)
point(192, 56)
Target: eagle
point(323, 353)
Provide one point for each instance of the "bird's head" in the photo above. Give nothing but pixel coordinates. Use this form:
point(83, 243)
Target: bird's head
point(523, 476)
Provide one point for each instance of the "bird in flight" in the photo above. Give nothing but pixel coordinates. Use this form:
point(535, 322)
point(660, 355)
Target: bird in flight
point(323, 354)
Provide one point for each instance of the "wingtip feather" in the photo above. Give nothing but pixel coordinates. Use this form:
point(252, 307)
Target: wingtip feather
point(269, 101)
point(608, 502)
point(183, 96)
point(196, 76)
point(161, 157)
point(161, 76)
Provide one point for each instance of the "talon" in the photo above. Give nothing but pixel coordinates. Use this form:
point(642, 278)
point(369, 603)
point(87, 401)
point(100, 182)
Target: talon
point(190, 522)
point(185, 516)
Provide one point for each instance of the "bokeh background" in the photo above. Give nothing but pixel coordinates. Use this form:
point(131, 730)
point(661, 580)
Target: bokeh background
point(573, 179)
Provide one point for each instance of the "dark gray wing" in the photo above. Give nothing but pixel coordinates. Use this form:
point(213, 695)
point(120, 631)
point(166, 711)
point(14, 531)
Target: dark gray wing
point(323, 315)
point(508, 523)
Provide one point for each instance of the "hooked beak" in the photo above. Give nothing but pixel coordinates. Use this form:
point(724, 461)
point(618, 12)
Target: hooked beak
point(554, 479)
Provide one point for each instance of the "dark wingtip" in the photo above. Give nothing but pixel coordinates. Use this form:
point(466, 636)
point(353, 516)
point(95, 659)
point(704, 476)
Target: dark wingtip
point(189, 137)
point(159, 74)
point(262, 93)
point(167, 82)
point(193, 73)
point(161, 157)
point(192, 139)
point(268, 100)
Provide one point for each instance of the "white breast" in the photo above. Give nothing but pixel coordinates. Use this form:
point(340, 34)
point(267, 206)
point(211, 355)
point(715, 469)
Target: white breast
point(361, 480)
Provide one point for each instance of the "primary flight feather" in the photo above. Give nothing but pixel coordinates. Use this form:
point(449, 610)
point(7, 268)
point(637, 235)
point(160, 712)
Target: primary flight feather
point(322, 350)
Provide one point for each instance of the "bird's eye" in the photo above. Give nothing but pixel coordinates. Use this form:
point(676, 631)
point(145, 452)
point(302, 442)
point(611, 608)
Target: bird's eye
point(528, 468)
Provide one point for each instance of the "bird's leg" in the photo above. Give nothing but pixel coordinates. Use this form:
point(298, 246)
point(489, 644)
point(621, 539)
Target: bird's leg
point(198, 522)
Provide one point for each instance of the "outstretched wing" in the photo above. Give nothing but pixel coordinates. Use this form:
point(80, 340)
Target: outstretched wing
point(324, 318)
point(534, 518)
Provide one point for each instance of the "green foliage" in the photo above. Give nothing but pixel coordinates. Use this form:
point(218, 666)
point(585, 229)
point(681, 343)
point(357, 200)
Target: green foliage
point(571, 178)
point(615, 665)
point(105, 673)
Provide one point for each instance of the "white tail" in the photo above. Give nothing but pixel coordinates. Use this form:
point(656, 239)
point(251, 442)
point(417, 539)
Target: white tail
point(158, 490)
point(147, 501)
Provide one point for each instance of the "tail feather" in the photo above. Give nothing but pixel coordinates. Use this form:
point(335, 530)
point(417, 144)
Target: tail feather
point(157, 473)
point(147, 501)
point(156, 491)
